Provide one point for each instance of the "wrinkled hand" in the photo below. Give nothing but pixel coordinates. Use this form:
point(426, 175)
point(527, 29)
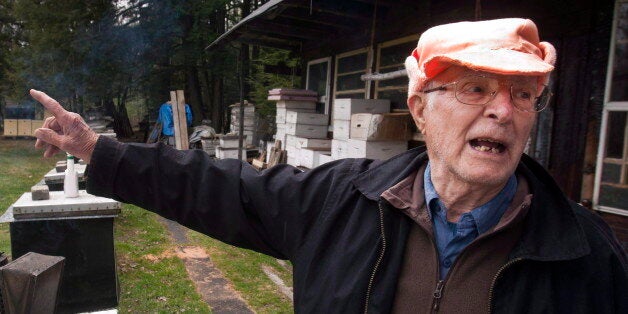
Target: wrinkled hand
point(65, 131)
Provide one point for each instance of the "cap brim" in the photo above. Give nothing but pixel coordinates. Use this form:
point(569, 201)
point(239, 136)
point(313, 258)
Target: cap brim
point(502, 61)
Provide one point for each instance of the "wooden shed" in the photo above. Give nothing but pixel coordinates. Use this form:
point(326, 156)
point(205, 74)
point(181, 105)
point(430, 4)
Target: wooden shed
point(356, 49)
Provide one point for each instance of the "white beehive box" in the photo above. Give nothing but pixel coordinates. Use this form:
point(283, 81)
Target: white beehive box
point(381, 127)
point(309, 158)
point(281, 135)
point(342, 129)
point(375, 150)
point(280, 117)
point(282, 112)
point(291, 140)
point(344, 108)
point(306, 118)
point(338, 149)
point(306, 130)
point(302, 142)
point(295, 104)
point(231, 141)
point(324, 158)
point(224, 153)
point(293, 153)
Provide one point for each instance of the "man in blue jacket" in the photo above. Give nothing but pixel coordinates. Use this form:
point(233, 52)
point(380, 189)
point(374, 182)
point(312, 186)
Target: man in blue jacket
point(468, 224)
point(167, 122)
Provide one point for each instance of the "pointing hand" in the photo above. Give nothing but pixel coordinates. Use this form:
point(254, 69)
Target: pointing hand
point(65, 130)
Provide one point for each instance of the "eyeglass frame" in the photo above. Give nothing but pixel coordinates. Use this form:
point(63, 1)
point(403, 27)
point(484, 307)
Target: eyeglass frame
point(493, 94)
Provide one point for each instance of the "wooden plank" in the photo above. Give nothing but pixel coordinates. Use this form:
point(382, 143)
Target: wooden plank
point(258, 164)
point(183, 136)
point(175, 118)
point(177, 103)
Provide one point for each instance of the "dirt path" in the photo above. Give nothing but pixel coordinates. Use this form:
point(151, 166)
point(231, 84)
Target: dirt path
point(213, 287)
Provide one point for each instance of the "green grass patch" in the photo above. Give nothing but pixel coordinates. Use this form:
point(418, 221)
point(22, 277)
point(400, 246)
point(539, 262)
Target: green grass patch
point(244, 269)
point(21, 167)
point(151, 279)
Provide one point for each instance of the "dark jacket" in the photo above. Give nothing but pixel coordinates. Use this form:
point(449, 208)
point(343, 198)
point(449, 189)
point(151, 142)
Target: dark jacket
point(346, 243)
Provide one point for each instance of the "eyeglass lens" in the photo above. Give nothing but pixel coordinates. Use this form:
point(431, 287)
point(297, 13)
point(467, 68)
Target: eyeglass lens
point(479, 90)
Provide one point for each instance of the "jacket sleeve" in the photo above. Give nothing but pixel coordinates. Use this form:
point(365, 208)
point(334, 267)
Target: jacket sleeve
point(270, 211)
point(188, 115)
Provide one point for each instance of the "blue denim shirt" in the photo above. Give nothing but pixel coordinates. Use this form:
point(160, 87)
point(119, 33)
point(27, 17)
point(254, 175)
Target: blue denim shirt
point(452, 238)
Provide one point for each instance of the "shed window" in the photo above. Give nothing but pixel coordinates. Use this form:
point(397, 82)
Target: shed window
point(611, 181)
point(392, 56)
point(318, 75)
point(349, 67)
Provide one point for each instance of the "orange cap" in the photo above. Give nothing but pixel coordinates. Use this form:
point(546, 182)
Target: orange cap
point(504, 46)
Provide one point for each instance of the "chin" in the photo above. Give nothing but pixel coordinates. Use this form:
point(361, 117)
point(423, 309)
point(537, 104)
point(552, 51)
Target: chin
point(485, 175)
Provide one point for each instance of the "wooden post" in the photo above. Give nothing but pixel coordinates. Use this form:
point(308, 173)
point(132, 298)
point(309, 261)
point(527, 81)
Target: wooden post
point(177, 103)
point(185, 142)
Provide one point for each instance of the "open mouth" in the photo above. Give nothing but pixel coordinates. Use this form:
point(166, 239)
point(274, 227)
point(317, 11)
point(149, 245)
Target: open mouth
point(487, 145)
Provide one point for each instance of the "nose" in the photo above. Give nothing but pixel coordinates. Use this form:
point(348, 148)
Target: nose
point(501, 108)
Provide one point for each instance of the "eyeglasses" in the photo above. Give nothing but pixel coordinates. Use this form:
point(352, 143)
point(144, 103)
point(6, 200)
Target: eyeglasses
point(479, 90)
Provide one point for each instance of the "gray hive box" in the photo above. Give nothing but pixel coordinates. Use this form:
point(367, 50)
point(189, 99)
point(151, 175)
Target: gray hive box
point(30, 284)
point(57, 177)
point(59, 206)
point(79, 229)
point(61, 166)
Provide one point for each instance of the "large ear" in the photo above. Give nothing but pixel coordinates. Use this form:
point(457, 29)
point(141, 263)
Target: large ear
point(549, 56)
point(416, 104)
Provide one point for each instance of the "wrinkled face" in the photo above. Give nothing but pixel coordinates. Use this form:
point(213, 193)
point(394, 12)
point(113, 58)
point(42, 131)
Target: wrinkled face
point(480, 145)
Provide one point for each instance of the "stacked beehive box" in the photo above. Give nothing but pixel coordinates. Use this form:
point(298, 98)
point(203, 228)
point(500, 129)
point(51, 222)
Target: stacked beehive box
point(250, 122)
point(21, 127)
point(343, 109)
point(379, 136)
point(228, 147)
point(297, 122)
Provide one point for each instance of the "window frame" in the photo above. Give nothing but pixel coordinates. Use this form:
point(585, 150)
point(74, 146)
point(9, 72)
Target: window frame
point(610, 106)
point(337, 58)
point(323, 98)
point(379, 68)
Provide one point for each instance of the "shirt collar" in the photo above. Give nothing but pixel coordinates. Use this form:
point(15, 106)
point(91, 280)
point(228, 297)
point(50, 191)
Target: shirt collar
point(485, 216)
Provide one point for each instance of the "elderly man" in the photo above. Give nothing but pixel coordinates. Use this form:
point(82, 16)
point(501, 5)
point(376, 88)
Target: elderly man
point(470, 225)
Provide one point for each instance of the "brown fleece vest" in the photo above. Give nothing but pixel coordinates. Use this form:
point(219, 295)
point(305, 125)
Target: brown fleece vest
point(466, 287)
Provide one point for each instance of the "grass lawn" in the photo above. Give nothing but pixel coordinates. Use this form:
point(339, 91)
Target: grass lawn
point(149, 284)
point(21, 166)
point(244, 269)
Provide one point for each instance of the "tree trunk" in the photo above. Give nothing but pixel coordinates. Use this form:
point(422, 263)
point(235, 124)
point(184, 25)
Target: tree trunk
point(195, 98)
point(217, 103)
point(246, 10)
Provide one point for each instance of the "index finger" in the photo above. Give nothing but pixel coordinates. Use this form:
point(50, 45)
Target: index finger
point(49, 103)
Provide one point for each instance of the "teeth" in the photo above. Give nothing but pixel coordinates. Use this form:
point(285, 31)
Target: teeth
point(487, 149)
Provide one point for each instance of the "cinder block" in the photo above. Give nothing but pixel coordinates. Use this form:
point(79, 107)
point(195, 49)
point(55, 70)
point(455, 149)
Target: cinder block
point(40, 192)
point(61, 166)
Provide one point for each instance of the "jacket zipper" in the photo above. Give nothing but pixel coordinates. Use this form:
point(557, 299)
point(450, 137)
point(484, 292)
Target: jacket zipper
point(440, 284)
point(438, 293)
point(379, 259)
point(495, 278)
